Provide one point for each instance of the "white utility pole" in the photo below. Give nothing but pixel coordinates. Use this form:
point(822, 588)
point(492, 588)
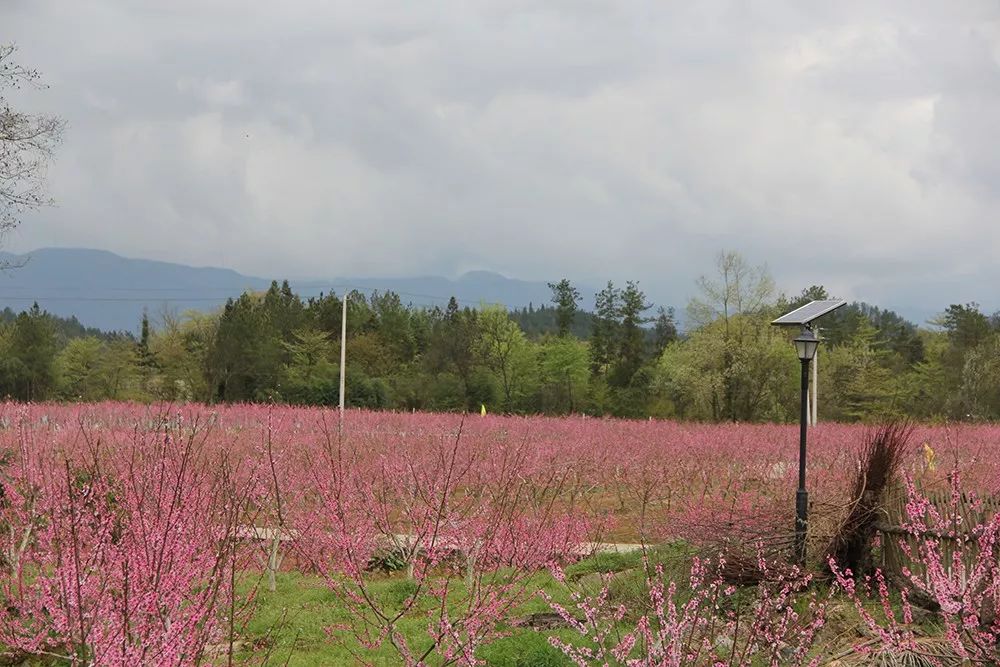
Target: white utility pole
point(815, 387)
point(809, 399)
point(343, 357)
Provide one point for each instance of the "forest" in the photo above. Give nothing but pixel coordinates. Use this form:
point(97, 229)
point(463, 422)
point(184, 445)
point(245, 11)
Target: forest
point(623, 357)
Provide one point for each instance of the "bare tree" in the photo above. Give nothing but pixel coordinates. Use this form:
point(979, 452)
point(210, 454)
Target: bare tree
point(26, 144)
point(738, 289)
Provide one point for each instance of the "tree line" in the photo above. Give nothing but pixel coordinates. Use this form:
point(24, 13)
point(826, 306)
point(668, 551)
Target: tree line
point(622, 358)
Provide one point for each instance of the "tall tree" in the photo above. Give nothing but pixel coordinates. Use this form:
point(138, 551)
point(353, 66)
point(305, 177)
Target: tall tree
point(860, 384)
point(966, 325)
point(664, 329)
point(393, 320)
point(924, 386)
point(33, 345)
point(632, 341)
point(708, 376)
point(453, 350)
point(147, 362)
point(119, 369)
point(980, 390)
point(78, 367)
point(736, 289)
point(504, 351)
point(605, 335)
point(566, 298)
point(966, 328)
point(735, 297)
point(26, 144)
point(564, 368)
point(181, 349)
point(247, 354)
point(310, 377)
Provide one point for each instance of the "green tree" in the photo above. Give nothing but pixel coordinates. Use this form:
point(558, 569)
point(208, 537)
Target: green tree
point(180, 349)
point(247, 354)
point(566, 299)
point(858, 383)
point(604, 339)
point(924, 386)
point(664, 330)
point(966, 325)
point(453, 350)
point(980, 389)
point(736, 289)
point(564, 367)
point(504, 351)
point(395, 327)
point(310, 377)
point(78, 369)
point(144, 337)
point(631, 351)
point(118, 370)
point(712, 376)
point(738, 298)
point(33, 346)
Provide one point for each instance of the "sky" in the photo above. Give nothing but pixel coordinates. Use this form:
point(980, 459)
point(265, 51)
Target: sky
point(851, 144)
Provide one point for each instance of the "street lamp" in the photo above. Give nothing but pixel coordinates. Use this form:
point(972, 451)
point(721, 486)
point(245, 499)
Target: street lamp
point(805, 346)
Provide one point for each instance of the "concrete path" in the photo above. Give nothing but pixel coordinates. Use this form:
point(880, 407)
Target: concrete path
point(268, 534)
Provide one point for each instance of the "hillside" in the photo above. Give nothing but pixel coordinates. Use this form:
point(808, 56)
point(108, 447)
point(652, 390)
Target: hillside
point(110, 292)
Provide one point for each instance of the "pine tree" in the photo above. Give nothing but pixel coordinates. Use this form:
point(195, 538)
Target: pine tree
point(665, 329)
point(632, 341)
point(605, 335)
point(146, 359)
point(565, 297)
point(34, 348)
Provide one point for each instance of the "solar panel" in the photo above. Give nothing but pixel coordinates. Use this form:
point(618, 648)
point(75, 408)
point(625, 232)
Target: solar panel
point(809, 312)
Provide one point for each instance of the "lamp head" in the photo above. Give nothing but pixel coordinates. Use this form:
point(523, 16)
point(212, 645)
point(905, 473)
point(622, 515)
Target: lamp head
point(806, 344)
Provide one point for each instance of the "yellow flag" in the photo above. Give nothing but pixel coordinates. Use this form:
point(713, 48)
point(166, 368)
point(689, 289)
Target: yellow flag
point(482, 410)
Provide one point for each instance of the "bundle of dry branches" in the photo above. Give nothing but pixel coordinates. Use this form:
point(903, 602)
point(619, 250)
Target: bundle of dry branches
point(879, 463)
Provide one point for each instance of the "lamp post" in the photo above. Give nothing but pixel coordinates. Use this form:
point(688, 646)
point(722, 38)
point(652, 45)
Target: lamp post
point(805, 345)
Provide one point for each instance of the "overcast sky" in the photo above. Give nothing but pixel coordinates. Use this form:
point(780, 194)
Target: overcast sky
point(852, 144)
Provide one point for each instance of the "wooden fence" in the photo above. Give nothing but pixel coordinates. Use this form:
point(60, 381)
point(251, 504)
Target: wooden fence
point(962, 542)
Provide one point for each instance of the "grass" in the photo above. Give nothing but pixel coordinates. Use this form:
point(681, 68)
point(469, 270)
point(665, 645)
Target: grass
point(298, 622)
point(302, 622)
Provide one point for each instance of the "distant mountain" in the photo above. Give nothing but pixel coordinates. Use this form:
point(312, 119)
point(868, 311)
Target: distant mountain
point(110, 292)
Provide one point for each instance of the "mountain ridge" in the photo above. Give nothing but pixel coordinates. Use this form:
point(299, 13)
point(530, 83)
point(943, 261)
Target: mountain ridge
point(111, 292)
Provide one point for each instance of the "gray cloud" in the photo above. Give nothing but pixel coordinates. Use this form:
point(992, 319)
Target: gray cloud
point(849, 144)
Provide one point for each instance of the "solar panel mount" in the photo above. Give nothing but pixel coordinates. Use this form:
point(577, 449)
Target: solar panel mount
point(813, 310)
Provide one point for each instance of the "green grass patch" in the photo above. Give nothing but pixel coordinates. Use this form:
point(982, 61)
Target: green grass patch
point(298, 622)
point(304, 623)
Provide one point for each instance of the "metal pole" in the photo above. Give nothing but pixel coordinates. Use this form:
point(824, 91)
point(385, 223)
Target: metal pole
point(343, 358)
point(801, 496)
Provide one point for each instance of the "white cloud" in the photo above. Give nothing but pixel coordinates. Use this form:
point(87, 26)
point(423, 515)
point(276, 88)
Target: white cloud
point(848, 144)
point(214, 93)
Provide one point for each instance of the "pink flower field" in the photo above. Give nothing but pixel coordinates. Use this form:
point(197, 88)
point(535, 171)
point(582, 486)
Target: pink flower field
point(128, 532)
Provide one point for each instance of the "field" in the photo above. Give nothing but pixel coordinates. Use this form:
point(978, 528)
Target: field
point(273, 535)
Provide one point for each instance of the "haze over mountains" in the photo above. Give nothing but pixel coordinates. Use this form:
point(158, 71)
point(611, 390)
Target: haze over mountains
point(110, 292)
